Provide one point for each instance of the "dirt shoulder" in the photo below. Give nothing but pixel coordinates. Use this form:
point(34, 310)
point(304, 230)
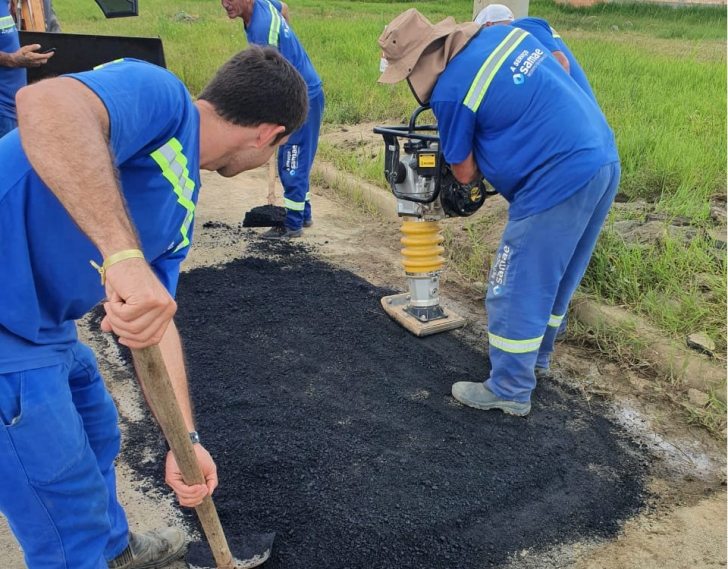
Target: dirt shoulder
point(685, 524)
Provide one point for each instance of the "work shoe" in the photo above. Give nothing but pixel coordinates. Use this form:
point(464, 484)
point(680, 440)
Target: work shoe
point(277, 233)
point(308, 222)
point(479, 396)
point(151, 550)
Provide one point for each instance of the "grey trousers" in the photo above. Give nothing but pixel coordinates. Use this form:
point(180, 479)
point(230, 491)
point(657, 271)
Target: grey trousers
point(52, 23)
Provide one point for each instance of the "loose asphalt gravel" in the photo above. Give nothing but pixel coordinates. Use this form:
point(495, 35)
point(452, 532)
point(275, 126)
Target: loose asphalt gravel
point(334, 427)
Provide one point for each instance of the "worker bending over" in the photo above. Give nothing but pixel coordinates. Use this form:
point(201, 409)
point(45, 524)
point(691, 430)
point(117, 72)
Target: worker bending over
point(104, 167)
point(508, 112)
point(499, 14)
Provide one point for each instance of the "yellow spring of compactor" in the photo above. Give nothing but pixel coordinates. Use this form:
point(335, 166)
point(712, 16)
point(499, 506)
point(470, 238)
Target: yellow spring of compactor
point(422, 247)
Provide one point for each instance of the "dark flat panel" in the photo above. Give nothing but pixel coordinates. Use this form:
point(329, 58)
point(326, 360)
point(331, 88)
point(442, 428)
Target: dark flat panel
point(118, 8)
point(81, 52)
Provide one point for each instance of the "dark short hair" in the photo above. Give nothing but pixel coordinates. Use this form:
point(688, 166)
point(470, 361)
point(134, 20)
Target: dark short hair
point(256, 86)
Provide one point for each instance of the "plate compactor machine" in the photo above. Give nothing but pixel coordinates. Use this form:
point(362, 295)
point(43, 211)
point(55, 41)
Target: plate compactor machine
point(426, 192)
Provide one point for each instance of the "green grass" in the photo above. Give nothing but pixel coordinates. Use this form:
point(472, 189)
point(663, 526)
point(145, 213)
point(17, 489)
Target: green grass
point(668, 116)
point(468, 255)
point(360, 159)
point(670, 22)
point(662, 281)
point(659, 73)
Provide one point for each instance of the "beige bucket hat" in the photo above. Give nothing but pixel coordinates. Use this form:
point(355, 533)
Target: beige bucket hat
point(418, 51)
point(404, 40)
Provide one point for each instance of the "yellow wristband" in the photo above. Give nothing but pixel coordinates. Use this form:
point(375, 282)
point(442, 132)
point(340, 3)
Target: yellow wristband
point(115, 258)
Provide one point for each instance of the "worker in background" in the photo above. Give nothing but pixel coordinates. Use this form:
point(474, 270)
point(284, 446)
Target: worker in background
point(104, 167)
point(495, 14)
point(51, 20)
point(267, 24)
point(506, 111)
point(13, 63)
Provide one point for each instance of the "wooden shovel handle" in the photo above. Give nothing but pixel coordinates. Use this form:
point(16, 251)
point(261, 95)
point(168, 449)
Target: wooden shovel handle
point(155, 381)
point(272, 180)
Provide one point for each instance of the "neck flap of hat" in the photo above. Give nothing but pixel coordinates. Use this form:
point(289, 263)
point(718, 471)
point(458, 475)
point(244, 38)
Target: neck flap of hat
point(435, 58)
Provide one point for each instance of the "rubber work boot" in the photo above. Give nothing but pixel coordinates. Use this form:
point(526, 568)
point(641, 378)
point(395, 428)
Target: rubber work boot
point(308, 222)
point(151, 550)
point(479, 396)
point(277, 233)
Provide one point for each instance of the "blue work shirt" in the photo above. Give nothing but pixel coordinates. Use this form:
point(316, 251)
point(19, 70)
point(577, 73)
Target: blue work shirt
point(11, 78)
point(536, 136)
point(544, 33)
point(47, 281)
point(269, 28)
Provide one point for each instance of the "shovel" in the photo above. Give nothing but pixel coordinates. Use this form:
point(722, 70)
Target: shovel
point(251, 550)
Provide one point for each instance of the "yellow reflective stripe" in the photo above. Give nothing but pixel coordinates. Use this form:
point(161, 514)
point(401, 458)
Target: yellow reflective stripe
point(171, 160)
point(7, 22)
point(295, 206)
point(554, 34)
point(308, 196)
point(491, 66)
point(515, 346)
point(555, 321)
point(275, 24)
point(109, 63)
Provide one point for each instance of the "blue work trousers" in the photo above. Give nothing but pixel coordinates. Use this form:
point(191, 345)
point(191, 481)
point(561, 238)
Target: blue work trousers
point(295, 159)
point(58, 441)
point(540, 261)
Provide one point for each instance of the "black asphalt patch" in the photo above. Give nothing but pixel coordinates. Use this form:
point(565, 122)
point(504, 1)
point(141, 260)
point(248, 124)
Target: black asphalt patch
point(334, 427)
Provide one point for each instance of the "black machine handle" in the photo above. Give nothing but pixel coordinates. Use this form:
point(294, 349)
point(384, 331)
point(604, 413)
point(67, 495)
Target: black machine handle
point(411, 130)
point(393, 168)
point(392, 164)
